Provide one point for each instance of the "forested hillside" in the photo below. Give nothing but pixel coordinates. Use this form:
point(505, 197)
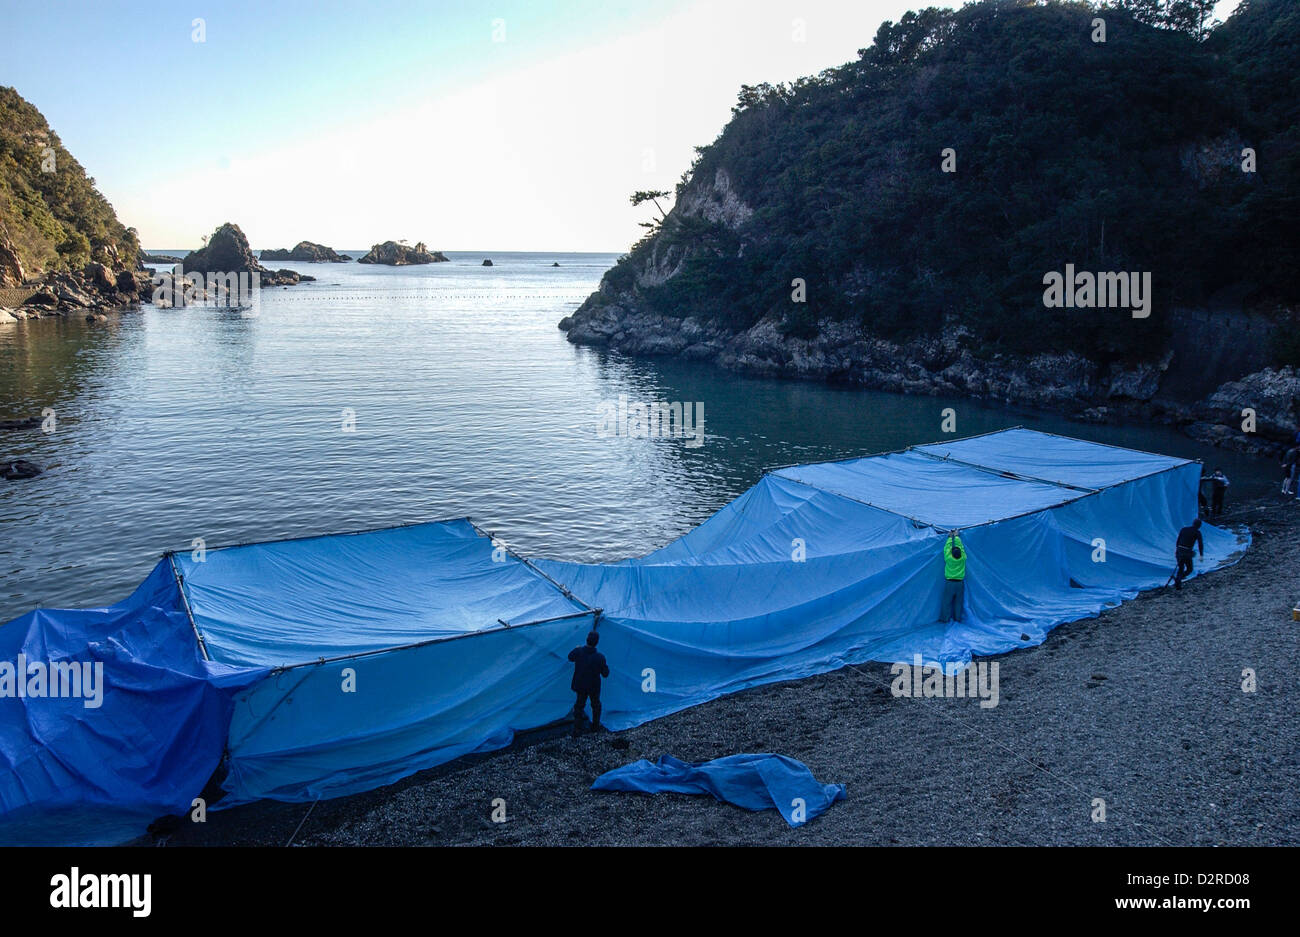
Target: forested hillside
point(51, 215)
point(1116, 155)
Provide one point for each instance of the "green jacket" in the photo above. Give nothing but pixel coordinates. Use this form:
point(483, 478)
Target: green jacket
point(954, 567)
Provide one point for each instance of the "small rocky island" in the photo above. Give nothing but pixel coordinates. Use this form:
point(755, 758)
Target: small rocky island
point(396, 254)
point(307, 252)
point(227, 251)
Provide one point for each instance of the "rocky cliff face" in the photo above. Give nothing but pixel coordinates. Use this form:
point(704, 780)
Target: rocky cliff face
point(394, 254)
point(11, 265)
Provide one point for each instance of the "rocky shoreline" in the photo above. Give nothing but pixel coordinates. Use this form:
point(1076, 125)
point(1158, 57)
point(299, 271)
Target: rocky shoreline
point(945, 365)
point(93, 291)
point(97, 289)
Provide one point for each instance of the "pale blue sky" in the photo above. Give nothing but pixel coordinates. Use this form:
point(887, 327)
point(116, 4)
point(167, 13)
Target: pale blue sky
point(352, 123)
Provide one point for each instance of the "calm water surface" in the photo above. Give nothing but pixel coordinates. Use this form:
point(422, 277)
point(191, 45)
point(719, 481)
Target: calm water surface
point(174, 425)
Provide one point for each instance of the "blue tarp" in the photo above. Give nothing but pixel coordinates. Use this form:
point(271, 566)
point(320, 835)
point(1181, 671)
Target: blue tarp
point(144, 733)
point(755, 782)
point(336, 664)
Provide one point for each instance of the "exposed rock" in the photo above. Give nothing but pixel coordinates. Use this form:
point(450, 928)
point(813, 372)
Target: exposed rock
point(11, 266)
point(556, 264)
point(717, 203)
point(15, 469)
point(227, 252)
point(843, 352)
point(1140, 382)
point(159, 259)
point(97, 286)
point(44, 298)
point(30, 422)
point(306, 252)
point(6, 316)
point(70, 296)
point(394, 254)
point(487, 263)
point(101, 277)
point(944, 365)
point(1272, 395)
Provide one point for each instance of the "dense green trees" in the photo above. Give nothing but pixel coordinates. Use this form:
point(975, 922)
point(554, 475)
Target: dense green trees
point(1123, 155)
point(49, 208)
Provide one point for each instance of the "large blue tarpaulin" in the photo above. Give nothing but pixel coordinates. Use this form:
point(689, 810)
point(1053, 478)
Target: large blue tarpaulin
point(325, 666)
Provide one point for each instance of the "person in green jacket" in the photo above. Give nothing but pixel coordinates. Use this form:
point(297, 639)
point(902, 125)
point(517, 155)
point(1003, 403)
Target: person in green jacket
point(954, 578)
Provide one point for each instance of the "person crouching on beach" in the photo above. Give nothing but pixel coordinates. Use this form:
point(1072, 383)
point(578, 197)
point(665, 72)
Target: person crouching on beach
point(588, 667)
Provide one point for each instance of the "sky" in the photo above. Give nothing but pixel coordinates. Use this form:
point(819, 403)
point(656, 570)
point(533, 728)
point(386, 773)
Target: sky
point(467, 125)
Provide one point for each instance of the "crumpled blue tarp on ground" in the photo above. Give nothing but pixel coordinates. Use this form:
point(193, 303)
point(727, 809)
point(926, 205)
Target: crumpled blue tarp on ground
point(755, 782)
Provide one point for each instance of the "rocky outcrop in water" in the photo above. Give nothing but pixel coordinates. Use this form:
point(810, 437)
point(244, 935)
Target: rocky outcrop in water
point(306, 252)
point(227, 251)
point(15, 469)
point(29, 422)
point(394, 254)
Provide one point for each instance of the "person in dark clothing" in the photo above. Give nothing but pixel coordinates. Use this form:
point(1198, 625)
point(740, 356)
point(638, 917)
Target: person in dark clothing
point(1188, 538)
point(1218, 487)
point(588, 667)
point(1290, 469)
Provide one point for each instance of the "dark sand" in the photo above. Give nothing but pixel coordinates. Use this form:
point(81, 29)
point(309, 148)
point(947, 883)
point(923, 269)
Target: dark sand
point(1142, 706)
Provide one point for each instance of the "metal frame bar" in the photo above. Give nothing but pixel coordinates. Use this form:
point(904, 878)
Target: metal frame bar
point(185, 601)
point(872, 455)
point(1004, 473)
point(442, 639)
point(341, 533)
point(568, 594)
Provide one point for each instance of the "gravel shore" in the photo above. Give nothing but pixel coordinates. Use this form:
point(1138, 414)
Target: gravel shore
point(1142, 706)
